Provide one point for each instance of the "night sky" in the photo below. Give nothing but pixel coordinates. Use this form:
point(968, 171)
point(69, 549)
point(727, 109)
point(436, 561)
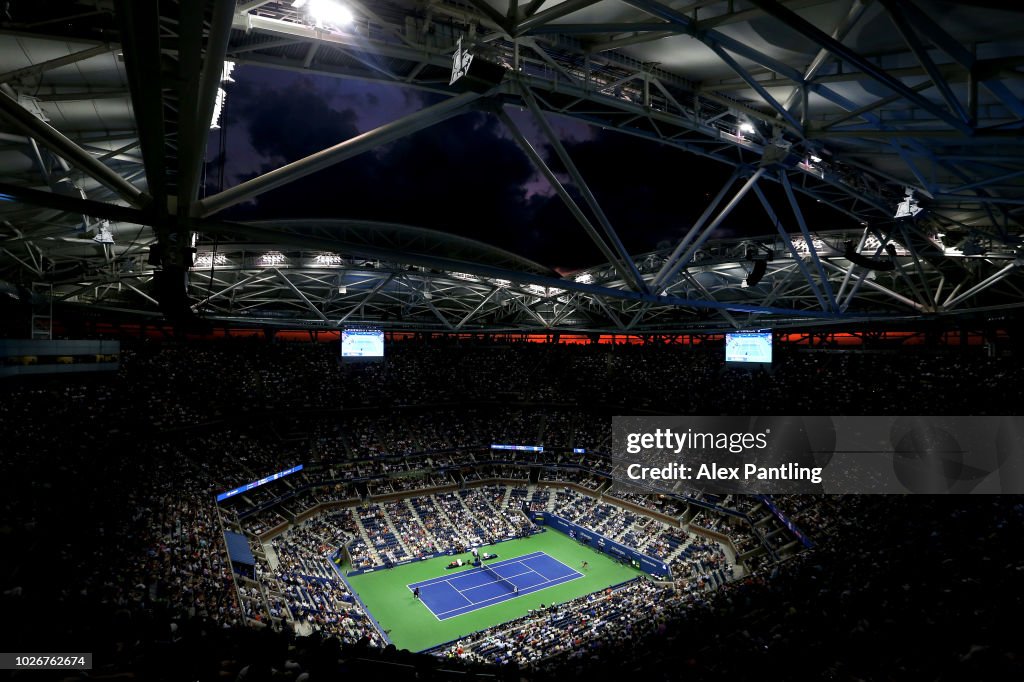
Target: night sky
point(466, 175)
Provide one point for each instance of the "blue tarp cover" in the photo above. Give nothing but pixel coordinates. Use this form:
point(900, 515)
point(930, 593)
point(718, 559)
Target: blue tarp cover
point(238, 549)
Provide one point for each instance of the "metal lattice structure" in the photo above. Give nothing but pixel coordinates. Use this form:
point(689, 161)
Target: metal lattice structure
point(105, 113)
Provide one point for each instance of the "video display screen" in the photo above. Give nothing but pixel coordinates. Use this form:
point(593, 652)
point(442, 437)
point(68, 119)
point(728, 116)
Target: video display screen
point(362, 343)
point(749, 348)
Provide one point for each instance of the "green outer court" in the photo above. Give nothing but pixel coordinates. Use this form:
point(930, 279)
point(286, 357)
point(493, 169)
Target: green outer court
point(414, 627)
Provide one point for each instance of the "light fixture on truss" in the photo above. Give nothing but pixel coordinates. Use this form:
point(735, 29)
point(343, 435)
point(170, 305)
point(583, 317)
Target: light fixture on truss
point(907, 208)
point(326, 13)
point(104, 235)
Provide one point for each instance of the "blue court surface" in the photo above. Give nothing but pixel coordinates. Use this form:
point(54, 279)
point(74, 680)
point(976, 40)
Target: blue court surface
point(466, 591)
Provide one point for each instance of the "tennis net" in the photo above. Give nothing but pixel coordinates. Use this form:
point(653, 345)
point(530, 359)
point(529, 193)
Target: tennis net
point(504, 582)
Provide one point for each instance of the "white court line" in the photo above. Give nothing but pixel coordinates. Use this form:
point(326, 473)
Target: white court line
point(445, 579)
point(572, 570)
point(449, 585)
point(529, 568)
point(494, 582)
point(534, 588)
point(461, 594)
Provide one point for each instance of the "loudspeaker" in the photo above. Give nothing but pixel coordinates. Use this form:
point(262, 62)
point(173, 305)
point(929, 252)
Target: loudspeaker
point(760, 267)
point(171, 290)
point(482, 76)
point(778, 154)
point(863, 261)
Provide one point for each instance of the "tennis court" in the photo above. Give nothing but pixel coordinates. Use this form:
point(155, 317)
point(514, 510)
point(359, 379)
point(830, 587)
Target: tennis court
point(450, 596)
point(415, 624)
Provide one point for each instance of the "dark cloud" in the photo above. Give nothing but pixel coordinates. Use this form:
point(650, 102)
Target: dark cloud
point(465, 176)
point(297, 122)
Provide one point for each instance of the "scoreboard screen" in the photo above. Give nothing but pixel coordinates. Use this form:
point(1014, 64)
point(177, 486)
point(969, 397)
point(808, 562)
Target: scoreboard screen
point(749, 348)
point(362, 343)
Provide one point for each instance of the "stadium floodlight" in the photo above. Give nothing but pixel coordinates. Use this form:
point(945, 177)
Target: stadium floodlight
point(272, 258)
point(329, 13)
point(973, 247)
point(104, 235)
point(222, 95)
point(747, 128)
point(327, 259)
point(907, 208)
point(208, 259)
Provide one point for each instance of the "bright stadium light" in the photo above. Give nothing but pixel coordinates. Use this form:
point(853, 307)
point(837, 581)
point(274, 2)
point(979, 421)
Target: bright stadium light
point(330, 13)
point(104, 236)
point(272, 258)
point(747, 128)
point(327, 259)
point(907, 208)
point(222, 95)
point(207, 259)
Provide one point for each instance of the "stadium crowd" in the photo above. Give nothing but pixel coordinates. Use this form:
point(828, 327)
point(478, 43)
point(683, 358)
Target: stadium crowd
point(108, 489)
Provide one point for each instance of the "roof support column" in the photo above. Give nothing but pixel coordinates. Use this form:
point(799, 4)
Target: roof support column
point(792, 250)
point(980, 286)
point(51, 138)
point(635, 277)
point(825, 284)
point(706, 234)
point(563, 193)
point(659, 279)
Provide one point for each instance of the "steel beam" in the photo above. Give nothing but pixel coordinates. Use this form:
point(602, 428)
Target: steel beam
point(960, 54)
point(826, 285)
point(921, 52)
point(635, 277)
point(787, 118)
point(263, 234)
point(711, 297)
point(706, 234)
point(366, 299)
point(864, 272)
point(359, 144)
point(556, 12)
point(953, 299)
point(816, 35)
point(143, 62)
point(560, 190)
point(192, 150)
point(825, 305)
point(140, 292)
point(878, 287)
point(660, 278)
point(480, 305)
point(43, 67)
point(298, 292)
point(918, 266)
point(709, 37)
point(496, 17)
point(31, 126)
point(228, 289)
point(820, 59)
